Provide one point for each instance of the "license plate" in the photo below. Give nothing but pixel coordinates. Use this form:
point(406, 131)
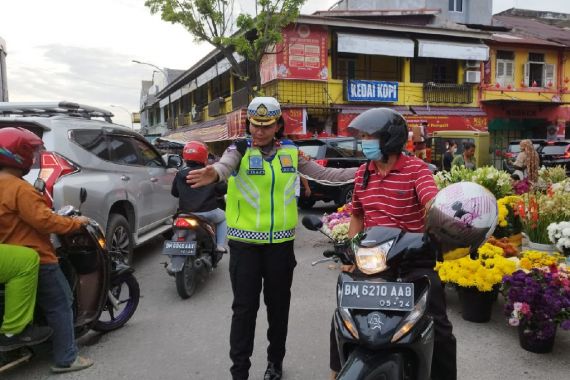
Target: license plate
point(180, 248)
point(377, 295)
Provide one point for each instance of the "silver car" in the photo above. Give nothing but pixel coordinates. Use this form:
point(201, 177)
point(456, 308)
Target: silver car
point(127, 181)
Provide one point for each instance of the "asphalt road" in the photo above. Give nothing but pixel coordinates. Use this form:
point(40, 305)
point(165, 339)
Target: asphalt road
point(170, 338)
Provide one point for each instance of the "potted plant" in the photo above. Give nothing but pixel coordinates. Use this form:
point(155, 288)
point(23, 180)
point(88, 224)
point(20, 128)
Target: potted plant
point(496, 181)
point(537, 301)
point(508, 224)
point(559, 235)
point(477, 281)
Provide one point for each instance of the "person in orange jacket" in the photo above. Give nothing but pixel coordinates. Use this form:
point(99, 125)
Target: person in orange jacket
point(26, 220)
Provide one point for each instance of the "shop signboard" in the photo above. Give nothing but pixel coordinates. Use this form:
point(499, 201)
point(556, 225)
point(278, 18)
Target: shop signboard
point(371, 91)
point(295, 121)
point(301, 55)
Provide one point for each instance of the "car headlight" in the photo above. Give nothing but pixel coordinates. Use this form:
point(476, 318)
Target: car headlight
point(371, 260)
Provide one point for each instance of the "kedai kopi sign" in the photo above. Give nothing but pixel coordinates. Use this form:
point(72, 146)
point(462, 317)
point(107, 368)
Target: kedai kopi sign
point(372, 91)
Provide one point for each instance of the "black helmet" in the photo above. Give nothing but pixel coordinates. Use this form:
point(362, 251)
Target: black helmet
point(386, 125)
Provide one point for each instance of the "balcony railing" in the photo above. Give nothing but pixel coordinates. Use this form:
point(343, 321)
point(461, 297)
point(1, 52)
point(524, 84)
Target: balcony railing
point(448, 93)
point(299, 92)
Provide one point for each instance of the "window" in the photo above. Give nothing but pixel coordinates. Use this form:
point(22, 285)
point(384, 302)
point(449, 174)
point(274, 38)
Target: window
point(123, 150)
point(148, 155)
point(346, 68)
point(537, 73)
point(505, 74)
point(435, 70)
point(93, 141)
point(456, 5)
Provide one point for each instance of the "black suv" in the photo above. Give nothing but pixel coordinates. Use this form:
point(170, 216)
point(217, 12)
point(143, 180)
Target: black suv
point(334, 152)
point(556, 153)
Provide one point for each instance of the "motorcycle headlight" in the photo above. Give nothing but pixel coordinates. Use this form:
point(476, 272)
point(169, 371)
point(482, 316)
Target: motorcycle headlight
point(371, 260)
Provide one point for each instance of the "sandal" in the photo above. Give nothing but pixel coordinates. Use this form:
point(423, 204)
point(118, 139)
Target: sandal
point(78, 364)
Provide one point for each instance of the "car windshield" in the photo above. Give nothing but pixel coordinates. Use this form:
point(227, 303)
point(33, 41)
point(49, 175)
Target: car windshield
point(554, 149)
point(310, 150)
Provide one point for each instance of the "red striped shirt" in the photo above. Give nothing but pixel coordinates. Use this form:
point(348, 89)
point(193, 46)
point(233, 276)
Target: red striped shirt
point(397, 199)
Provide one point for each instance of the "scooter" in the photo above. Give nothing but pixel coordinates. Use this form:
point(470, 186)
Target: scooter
point(381, 328)
point(192, 252)
point(106, 293)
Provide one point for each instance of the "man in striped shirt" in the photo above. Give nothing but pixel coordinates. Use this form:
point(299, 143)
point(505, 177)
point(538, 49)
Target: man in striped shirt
point(395, 190)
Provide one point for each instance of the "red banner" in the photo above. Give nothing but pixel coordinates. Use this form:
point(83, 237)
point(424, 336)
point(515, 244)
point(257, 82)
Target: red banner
point(435, 123)
point(295, 121)
point(301, 55)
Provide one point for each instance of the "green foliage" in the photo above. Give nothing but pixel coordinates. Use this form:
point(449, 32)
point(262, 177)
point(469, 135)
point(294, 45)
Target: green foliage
point(215, 22)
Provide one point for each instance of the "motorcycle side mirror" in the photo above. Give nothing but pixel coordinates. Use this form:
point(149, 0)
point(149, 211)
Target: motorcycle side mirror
point(40, 185)
point(82, 195)
point(312, 222)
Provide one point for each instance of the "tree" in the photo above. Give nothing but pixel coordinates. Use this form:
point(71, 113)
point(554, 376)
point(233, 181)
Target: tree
point(213, 21)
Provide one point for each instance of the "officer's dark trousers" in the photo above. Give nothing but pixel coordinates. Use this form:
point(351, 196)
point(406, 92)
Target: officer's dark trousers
point(444, 361)
point(253, 266)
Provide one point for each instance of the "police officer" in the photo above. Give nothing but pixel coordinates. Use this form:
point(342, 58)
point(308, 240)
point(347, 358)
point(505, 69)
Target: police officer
point(261, 213)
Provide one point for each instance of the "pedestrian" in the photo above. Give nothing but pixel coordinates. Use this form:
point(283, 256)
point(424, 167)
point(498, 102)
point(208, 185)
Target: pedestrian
point(26, 220)
point(19, 268)
point(204, 200)
point(467, 158)
point(420, 147)
point(449, 155)
point(527, 162)
point(262, 215)
point(394, 190)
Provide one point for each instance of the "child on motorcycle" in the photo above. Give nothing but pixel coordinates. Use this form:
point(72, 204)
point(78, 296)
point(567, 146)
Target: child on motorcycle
point(202, 201)
point(19, 273)
point(26, 220)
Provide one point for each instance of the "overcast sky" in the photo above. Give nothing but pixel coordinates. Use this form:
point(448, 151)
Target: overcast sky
point(81, 50)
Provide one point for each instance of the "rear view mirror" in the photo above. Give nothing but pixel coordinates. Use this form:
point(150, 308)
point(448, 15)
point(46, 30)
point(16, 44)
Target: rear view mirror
point(174, 161)
point(82, 195)
point(40, 185)
point(312, 222)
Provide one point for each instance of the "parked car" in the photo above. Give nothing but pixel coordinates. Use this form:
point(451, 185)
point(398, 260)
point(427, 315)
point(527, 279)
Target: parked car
point(555, 153)
point(128, 181)
point(335, 152)
point(513, 149)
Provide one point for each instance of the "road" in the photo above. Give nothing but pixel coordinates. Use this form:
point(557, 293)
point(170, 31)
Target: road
point(170, 338)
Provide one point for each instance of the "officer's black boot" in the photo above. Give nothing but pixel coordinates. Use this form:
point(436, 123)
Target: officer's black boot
point(274, 371)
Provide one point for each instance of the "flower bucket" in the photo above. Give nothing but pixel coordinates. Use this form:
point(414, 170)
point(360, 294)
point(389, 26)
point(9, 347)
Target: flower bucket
point(530, 245)
point(529, 340)
point(476, 306)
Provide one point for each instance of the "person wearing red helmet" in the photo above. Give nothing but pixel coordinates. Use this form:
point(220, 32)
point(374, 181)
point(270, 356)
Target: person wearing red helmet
point(200, 201)
point(26, 220)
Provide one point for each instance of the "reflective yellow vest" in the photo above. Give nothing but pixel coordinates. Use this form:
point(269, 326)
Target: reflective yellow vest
point(261, 205)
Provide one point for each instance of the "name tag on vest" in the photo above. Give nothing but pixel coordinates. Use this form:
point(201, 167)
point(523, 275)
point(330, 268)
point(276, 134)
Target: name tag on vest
point(255, 166)
point(286, 164)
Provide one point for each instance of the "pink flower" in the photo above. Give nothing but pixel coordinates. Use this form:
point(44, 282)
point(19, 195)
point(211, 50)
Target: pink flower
point(513, 321)
point(525, 308)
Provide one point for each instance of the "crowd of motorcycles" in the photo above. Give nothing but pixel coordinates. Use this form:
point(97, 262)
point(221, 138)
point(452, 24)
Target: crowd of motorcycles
point(380, 323)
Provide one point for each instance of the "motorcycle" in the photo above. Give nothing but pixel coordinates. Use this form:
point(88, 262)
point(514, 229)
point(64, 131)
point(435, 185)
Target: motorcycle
point(381, 328)
point(106, 293)
point(192, 252)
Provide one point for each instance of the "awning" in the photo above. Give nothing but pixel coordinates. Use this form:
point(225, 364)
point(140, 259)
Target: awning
point(207, 134)
point(375, 45)
point(453, 50)
point(448, 111)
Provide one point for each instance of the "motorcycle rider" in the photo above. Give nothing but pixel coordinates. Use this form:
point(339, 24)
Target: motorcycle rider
point(262, 214)
point(19, 272)
point(201, 201)
point(25, 219)
point(394, 190)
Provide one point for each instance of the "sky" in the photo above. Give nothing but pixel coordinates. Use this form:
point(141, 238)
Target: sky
point(81, 50)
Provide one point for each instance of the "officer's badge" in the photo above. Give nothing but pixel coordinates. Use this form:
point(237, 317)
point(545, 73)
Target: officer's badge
point(286, 163)
point(256, 166)
point(261, 110)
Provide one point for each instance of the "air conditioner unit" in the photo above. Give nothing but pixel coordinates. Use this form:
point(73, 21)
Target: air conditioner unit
point(472, 77)
point(472, 64)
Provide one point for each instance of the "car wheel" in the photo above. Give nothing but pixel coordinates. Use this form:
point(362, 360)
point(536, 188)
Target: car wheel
point(306, 204)
point(345, 196)
point(119, 237)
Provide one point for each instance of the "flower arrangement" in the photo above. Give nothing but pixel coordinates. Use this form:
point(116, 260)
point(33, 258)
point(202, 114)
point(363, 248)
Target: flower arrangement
point(562, 186)
point(508, 223)
point(536, 259)
point(559, 235)
point(484, 273)
point(538, 300)
point(336, 224)
point(521, 187)
point(537, 211)
point(496, 181)
point(550, 175)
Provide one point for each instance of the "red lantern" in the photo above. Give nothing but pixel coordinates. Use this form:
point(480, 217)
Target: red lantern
point(549, 84)
point(497, 85)
point(534, 84)
point(523, 84)
point(566, 80)
point(509, 87)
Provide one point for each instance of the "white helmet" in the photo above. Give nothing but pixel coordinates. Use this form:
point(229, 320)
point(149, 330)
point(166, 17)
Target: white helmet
point(263, 111)
point(461, 218)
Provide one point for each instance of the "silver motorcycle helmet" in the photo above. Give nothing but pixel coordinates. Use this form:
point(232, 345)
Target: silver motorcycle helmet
point(460, 219)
